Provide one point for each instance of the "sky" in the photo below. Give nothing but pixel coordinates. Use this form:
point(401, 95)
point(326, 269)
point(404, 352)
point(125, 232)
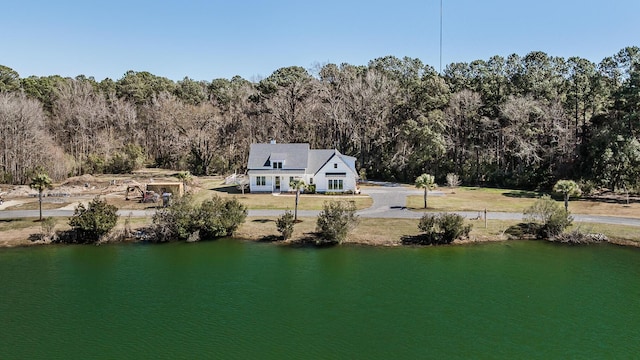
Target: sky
point(205, 40)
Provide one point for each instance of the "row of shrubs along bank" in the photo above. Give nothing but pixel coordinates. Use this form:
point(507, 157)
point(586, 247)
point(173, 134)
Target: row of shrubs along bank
point(218, 217)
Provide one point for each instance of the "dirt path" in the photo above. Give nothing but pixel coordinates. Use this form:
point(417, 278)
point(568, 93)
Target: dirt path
point(9, 203)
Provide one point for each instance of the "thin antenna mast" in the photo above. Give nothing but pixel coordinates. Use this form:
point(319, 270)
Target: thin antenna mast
point(440, 36)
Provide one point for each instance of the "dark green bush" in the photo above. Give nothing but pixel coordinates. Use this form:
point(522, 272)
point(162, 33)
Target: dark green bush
point(94, 221)
point(186, 221)
point(222, 217)
point(335, 221)
point(551, 218)
point(94, 164)
point(523, 230)
point(130, 158)
point(442, 228)
point(284, 224)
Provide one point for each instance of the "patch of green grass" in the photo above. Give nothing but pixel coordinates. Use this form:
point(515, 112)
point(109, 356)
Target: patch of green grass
point(474, 199)
point(506, 200)
point(30, 223)
point(268, 201)
point(306, 202)
point(16, 224)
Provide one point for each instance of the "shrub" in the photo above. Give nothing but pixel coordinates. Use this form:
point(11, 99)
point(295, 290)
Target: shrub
point(284, 224)
point(93, 221)
point(174, 223)
point(335, 221)
point(363, 174)
point(94, 164)
point(311, 189)
point(130, 158)
point(127, 231)
point(221, 217)
point(453, 180)
point(522, 230)
point(442, 228)
point(48, 226)
point(186, 221)
point(47, 230)
point(550, 217)
point(576, 238)
point(6, 177)
point(588, 187)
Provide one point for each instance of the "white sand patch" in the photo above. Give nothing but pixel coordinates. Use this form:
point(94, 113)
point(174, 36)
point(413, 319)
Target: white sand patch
point(73, 206)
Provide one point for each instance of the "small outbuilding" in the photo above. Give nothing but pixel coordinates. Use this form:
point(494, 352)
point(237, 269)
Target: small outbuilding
point(174, 188)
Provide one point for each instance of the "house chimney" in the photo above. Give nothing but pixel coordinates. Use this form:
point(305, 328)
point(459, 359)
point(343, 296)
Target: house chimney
point(273, 141)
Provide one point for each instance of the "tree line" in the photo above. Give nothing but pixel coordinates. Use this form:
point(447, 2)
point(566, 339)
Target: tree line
point(520, 121)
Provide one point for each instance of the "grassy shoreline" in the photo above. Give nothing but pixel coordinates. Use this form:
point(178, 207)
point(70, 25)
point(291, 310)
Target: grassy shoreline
point(370, 231)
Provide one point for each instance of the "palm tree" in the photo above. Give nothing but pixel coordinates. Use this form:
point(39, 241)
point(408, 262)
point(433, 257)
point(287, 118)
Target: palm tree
point(567, 188)
point(426, 182)
point(40, 182)
point(298, 185)
point(185, 177)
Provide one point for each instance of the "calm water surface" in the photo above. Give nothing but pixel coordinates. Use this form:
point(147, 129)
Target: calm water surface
point(239, 300)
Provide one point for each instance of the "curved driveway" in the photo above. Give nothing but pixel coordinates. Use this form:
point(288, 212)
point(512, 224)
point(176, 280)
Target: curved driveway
point(388, 202)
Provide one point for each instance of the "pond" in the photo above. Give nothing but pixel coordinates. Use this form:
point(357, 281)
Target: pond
point(236, 299)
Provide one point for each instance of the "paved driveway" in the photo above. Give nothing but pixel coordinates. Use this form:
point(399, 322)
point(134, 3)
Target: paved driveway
point(390, 202)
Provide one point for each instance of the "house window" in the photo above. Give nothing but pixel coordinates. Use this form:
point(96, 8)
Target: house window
point(290, 179)
point(335, 166)
point(261, 180)
point(277, 164)
point(336, 185)
point(310, 180)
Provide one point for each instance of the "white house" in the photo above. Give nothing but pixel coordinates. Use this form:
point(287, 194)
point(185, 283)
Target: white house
point(272, 166)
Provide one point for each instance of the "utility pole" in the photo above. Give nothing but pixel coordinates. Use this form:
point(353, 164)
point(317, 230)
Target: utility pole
point(440, 36)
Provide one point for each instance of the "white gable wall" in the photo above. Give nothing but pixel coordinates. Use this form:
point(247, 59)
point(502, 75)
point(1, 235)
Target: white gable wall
point(330, 171)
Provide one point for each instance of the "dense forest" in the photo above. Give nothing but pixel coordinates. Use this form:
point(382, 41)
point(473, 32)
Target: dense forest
point(521, 121)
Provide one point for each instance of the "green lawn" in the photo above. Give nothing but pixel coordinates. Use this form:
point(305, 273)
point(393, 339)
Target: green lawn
point(505, 200)
point(283, 201)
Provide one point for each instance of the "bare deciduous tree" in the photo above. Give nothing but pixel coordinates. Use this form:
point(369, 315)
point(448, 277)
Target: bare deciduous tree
point(25, 146)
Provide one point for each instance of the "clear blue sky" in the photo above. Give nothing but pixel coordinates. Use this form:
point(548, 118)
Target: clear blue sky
point(222, 38)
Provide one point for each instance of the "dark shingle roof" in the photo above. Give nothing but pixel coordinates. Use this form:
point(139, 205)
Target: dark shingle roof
point(295, 156)
point(317, 158)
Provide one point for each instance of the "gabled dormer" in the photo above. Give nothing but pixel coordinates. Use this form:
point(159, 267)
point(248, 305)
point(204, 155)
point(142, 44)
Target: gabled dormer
point(277, 160)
